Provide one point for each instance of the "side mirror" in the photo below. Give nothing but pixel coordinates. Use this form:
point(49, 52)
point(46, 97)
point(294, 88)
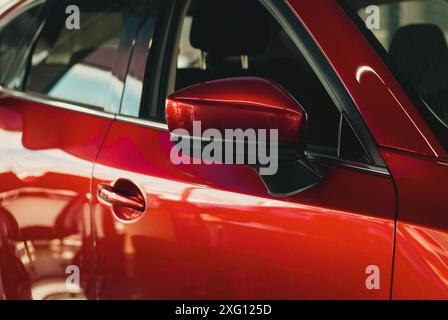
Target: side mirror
point(244, 118)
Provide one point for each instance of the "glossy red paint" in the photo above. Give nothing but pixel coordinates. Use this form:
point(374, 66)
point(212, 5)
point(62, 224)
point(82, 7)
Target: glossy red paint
point(45, 169)
point(124, 198)
point(254, 103)
point(421, 259)
point(415, 158)
point(213, 232)
point(391, 116)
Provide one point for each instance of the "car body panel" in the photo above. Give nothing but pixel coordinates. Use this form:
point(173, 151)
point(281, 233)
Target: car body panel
point(386, 109)
point(213, 232)
point(45, 168)
point(421, 259)
point(414, 156)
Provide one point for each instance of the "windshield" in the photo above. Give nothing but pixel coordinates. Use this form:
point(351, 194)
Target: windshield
point(414, 37)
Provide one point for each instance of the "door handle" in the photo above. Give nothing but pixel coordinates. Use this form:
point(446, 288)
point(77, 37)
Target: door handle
point(120, 199)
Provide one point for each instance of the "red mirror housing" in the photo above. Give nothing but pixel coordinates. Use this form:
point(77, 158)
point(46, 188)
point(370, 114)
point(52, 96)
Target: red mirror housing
point(242, 104)
point(239, 103)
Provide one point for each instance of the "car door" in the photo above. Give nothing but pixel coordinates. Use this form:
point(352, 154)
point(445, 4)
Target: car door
point(56, 106)
point(214, 231)
point(421, 253)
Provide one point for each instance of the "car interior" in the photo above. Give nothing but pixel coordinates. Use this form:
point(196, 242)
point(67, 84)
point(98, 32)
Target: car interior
point(426, 69)
point(416, 46)
point(228, 44)
point(216, 40)
point(14, 37)
point(66, 62)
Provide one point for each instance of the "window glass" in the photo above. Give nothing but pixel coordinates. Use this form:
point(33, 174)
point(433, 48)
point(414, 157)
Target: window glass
point(189, 57)
point(414, 36)
point(15, 39)
point(75, 64)
point(143, 51)
point(221, 39)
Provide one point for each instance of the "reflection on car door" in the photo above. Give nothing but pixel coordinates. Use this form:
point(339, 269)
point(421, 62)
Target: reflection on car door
point(214, 232)
point(49, 139)
point(46, 165)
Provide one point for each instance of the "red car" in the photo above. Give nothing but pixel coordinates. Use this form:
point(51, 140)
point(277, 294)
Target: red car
point(92, 205)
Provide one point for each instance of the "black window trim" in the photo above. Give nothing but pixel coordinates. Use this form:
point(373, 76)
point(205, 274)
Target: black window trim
point(327, 75)
point(151, 102)
point(59, 102)
point(314, 56)
point(15, 14)
point(439, 129)
point(155, 95)
point(284, 14)
point(21, 8)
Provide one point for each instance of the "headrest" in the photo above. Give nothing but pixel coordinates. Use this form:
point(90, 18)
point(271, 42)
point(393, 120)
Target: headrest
point(230, 27)
point(415, 48)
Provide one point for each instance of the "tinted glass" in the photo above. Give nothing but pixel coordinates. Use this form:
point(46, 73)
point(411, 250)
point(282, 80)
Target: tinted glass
point(15, 40)
point(76, 64)
point(414, 37)
point(143, 52)
point(218, 41)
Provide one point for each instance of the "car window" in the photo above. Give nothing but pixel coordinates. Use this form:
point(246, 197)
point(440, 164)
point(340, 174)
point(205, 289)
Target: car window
point(75, 63)
point(15, 40)
point(142, 53)
point(221, 43)
point(413, 41)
